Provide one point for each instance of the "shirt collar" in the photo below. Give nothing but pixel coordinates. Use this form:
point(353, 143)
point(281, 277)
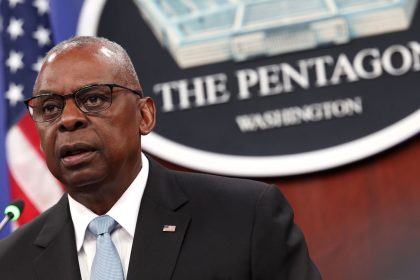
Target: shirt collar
point(124, 211)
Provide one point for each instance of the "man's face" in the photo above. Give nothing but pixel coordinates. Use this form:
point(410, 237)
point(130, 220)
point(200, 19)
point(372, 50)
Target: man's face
point(91, 151)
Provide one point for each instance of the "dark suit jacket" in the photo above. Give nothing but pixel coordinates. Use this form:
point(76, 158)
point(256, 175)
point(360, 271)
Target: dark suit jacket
point(225, 229)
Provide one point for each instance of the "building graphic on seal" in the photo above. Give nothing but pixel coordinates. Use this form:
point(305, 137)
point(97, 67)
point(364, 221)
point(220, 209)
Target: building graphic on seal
point(197, 32)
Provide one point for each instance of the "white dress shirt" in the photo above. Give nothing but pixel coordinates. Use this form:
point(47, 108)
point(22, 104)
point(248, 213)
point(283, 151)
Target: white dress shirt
point(124, 211)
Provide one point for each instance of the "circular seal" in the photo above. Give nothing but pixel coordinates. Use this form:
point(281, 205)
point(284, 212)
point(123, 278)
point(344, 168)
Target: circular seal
point(248, 92)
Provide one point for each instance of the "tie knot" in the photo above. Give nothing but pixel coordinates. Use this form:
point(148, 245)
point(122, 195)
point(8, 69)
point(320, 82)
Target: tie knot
point(101, 225)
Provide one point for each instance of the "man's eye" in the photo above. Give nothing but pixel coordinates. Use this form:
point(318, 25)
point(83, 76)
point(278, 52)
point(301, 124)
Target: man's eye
point(50, 108)
point(94, 100)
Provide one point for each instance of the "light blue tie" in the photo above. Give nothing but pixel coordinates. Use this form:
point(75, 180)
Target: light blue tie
point(107, 263)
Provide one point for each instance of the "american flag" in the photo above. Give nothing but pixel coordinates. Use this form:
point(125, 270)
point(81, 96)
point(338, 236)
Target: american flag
point(169, 228)
point(26, 37)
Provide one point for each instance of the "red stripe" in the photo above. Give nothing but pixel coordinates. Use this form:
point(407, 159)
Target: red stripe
point(28, 128)
point(30, 211)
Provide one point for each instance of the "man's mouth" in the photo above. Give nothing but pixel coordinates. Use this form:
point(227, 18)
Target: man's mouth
point(73, 155)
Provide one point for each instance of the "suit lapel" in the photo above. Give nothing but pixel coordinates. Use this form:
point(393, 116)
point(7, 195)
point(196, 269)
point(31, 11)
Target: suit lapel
point(59, 258)
point(154, 252)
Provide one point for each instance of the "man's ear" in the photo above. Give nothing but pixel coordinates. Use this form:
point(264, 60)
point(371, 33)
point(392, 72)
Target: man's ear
point(147, 110)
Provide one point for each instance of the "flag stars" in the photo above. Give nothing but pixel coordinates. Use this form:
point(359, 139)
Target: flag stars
point(14, 94)
point(41, 6)
point(42, 35)
point(13, 3)
point(14, 61)
point(15, 28)
point(37, 65)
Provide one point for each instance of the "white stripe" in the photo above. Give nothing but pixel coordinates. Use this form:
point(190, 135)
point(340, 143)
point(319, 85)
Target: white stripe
point(30, 171)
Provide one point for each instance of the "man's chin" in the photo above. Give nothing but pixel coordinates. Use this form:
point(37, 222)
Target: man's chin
point(82, 182)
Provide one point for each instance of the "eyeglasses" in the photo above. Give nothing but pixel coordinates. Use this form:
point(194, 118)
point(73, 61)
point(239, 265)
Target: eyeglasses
point(47, 107)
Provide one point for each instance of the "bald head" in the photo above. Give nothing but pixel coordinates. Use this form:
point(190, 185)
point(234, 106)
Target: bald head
point(102, 48)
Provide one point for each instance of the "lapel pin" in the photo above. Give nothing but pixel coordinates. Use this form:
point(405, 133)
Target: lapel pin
point(169, 228)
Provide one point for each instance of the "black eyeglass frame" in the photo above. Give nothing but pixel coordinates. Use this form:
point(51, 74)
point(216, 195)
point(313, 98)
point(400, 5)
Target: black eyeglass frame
point(74, 94)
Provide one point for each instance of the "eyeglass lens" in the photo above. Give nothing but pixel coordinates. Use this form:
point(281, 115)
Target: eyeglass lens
point(47, 107)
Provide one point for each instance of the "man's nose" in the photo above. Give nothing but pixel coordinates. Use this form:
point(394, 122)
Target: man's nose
point(72, 118)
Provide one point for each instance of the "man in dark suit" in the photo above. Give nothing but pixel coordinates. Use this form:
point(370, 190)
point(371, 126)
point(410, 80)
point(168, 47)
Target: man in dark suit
point(90, 114)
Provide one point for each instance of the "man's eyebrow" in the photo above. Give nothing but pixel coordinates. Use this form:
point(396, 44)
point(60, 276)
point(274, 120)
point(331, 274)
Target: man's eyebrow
point(45, 91)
